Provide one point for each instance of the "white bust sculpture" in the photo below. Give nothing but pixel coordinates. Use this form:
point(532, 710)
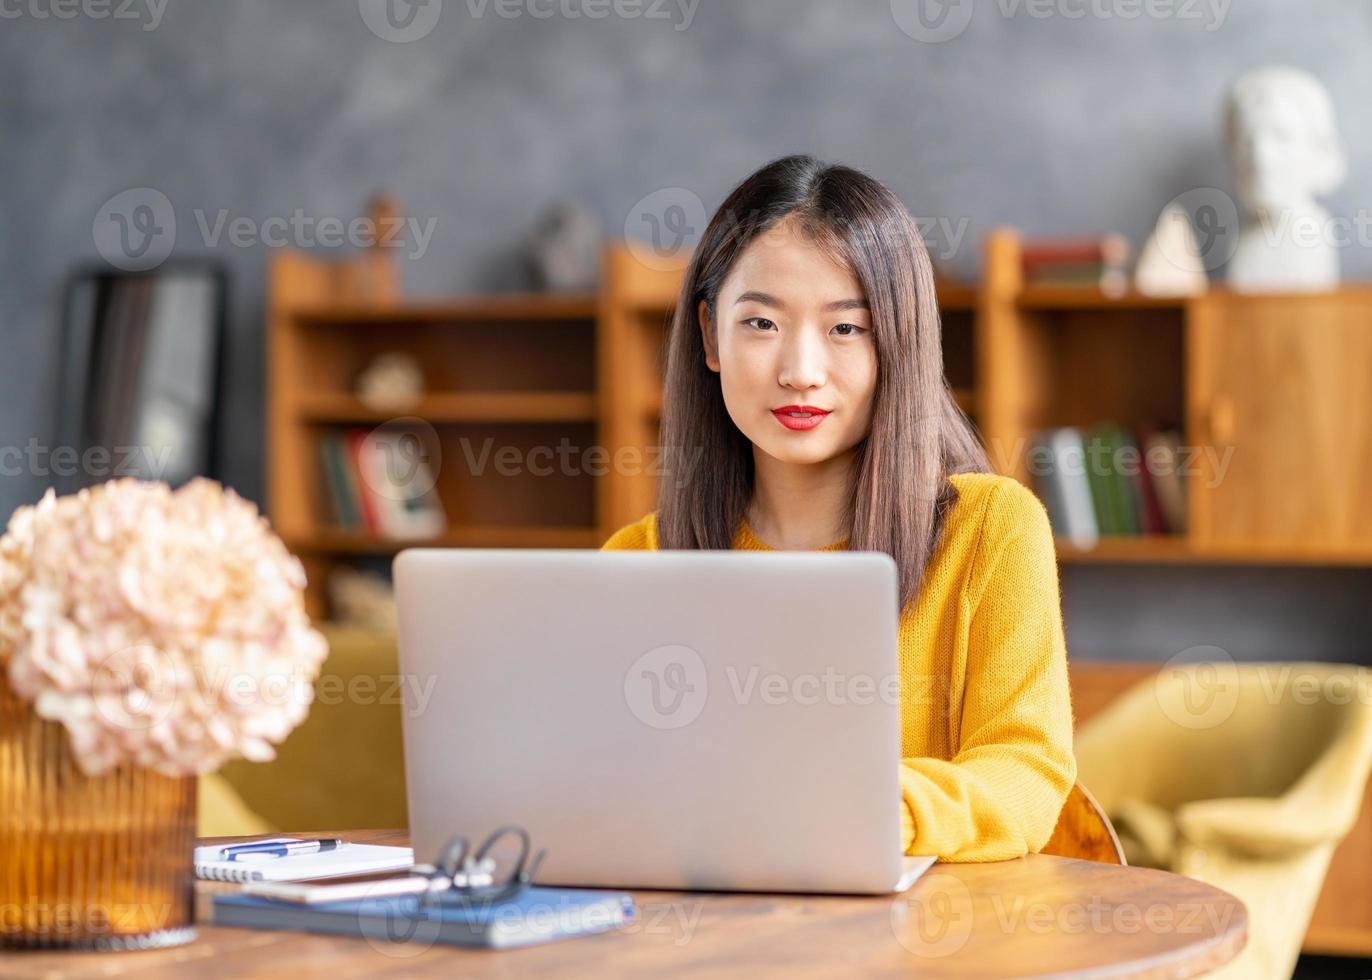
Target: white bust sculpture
point(1285, 150)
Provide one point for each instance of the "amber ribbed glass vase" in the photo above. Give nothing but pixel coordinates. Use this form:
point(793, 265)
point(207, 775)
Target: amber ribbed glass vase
point(99, 862)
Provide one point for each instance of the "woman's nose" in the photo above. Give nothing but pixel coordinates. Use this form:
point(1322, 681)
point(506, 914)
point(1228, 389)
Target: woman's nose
point(802, 360)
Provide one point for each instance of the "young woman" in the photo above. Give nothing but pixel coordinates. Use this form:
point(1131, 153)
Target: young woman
point(805, 407)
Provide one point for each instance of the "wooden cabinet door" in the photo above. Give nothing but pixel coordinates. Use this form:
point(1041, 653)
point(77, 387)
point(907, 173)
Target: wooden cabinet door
point(1280, 417)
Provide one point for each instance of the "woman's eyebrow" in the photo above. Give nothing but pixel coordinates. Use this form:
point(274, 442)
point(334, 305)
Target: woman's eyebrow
point(768, 299)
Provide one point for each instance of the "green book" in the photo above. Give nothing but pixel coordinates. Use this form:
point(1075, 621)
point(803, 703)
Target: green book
point(340, 486)
point(1098, 479)
point(1117, 485)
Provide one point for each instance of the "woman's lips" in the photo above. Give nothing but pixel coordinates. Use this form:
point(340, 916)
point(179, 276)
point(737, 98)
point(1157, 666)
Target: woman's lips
point(797, 419)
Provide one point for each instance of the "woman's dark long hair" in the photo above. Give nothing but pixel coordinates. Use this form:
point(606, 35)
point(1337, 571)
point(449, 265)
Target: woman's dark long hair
point(900, 492)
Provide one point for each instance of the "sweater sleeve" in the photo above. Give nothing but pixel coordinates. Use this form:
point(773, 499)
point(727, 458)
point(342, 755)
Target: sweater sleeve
point(1000, 795)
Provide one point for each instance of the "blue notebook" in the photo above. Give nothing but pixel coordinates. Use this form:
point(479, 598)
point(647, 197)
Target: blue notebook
point(536, 916)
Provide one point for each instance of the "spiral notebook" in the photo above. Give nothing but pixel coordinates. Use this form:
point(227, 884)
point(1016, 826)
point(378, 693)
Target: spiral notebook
point(348, 859)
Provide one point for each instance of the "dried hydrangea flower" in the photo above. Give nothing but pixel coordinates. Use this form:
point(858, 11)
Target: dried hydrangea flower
point(163, 628)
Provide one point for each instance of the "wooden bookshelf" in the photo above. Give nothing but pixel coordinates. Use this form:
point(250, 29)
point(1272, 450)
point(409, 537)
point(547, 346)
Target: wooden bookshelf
point(636, 304)
point(1280, 382)
point(1024, 358)
point(509, 372)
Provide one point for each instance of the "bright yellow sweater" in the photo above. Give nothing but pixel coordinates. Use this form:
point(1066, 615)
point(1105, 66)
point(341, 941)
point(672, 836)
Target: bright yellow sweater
point(986, 713)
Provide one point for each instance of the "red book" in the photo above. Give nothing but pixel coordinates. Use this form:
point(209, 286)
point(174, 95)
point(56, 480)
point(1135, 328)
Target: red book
point(1112, 250)
point(1155, 523)
point(365, 494)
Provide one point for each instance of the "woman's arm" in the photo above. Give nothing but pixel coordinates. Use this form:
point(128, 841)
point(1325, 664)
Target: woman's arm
point(1000, 795)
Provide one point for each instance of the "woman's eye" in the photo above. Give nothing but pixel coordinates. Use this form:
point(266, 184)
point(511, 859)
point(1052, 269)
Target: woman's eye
point(761, 321)
point(848, 329)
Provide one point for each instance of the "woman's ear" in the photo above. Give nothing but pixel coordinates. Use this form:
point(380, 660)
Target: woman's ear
point(707, 335)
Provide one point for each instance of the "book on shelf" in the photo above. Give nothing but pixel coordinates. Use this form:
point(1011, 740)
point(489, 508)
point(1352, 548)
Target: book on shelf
point(1165, 444)
point(340, 497)
point(1101, 262)
point(379, 482)
point(366, 502)
point(1110, 483)
point(1109, 479)
point(1061, 453)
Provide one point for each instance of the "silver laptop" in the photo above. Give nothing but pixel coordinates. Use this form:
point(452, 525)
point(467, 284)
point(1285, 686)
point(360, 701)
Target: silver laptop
point(659, 719)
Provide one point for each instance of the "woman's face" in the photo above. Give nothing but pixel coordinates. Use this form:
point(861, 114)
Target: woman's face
point(793, 330)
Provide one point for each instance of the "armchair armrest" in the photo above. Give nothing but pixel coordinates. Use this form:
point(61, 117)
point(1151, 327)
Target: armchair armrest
point(1320, 808)
point(1259, 826)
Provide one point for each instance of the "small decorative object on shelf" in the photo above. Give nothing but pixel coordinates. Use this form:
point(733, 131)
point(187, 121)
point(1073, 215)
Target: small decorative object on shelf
point(1171, 263)
point(564, 249)
point(1099, 261)
point(362, 598)
point(1285, 151)
point(393, 382)
point(146, 636)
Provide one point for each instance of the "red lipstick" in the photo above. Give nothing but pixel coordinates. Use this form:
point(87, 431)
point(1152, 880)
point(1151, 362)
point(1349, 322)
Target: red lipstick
point(800, 417)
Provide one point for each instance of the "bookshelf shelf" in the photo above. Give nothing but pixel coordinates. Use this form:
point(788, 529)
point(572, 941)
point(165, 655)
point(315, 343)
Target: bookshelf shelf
point(1177, 549)
point(472, 309)
point(446, 407)
point(957, 297)
point(1091, 298)
point(338, 541)
point(1128, 548)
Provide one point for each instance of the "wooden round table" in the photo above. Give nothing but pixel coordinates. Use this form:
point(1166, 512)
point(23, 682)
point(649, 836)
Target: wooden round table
point(1049, 915)
point(1031, 916)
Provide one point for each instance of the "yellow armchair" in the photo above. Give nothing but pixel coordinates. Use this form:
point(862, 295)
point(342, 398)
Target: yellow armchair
point(1246, 776)
point(342, 769)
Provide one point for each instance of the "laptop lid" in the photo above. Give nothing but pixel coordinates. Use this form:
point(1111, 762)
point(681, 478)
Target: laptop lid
point(676, 719)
